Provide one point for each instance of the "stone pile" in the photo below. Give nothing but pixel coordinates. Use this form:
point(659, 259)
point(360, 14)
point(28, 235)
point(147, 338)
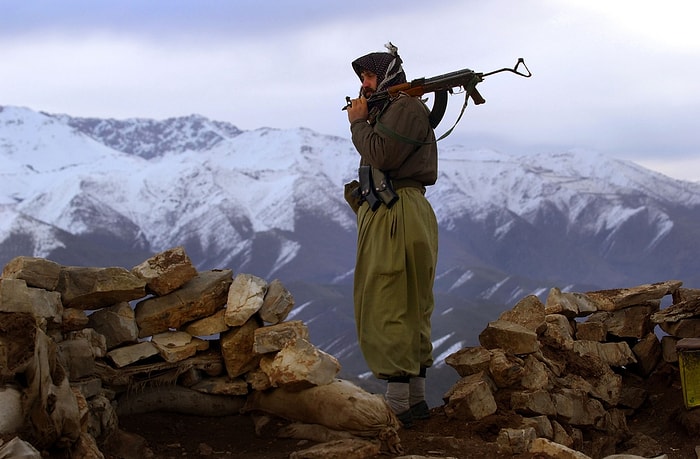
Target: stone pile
point(573, 368)
point(80, 346)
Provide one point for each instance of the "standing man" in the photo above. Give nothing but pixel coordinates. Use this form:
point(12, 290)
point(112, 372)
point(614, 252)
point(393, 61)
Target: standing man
point(397, 239)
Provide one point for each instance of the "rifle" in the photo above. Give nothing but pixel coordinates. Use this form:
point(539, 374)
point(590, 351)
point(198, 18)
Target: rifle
point(441, 85)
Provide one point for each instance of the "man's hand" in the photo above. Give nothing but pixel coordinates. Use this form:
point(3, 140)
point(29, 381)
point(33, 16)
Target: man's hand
point(358, 109)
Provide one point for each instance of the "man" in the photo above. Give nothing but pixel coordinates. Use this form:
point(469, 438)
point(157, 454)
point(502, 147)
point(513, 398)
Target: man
point(397, 243)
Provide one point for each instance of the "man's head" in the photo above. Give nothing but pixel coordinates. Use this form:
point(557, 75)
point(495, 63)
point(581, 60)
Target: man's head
point(378, 71)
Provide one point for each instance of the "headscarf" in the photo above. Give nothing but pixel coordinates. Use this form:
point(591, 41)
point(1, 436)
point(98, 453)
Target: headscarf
point(386, 65)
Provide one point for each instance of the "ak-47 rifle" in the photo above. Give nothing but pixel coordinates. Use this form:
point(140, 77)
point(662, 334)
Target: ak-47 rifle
point(441, 85)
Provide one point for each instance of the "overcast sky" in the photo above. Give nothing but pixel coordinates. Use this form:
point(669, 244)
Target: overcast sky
point(621, 77)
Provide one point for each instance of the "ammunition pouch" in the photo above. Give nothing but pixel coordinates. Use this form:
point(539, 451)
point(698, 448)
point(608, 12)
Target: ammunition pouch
point(352, 195)
point(375, 188)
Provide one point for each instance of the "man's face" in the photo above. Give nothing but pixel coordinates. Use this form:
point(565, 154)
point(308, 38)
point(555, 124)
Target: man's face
point(369, 83)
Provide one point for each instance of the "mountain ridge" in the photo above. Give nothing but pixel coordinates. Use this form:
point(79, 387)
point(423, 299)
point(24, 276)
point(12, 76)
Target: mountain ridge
point(269, 202)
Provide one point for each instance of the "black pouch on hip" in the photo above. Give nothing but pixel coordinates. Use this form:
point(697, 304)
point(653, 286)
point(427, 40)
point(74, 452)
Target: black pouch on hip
point(383, 188)
point(367, 187)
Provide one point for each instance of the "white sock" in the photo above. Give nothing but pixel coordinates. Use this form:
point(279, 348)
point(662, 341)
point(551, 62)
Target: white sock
point(397, 396)
point(416, 390)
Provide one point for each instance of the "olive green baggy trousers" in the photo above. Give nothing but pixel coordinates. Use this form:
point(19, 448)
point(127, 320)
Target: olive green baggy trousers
point(393, 287)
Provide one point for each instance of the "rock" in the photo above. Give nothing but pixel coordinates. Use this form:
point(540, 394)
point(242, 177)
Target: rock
point(237, 348)
point(73, 319)
point(616, 299)
point(78, 357)
point(686, 309)
point(505, 370)
point(97, 341)
point(89, 387)
point(36, 272)
point(274, 337)
point(117, 323)
point(614, 354)
point(528, 312)
point(591, 330)
point(629, 322)
point(510, 337)
point(167, 271)
point(86, 448)
point(103, 418)
point(541, 424)
point(576, 408)
point(172, 346)
point(570, 305)
point(561, 435)
point(684, 328)
point(648, 354)
point(46, 305)
point(258, 379)
point(127, 445)
point(533, 402)
point(14, 296)
point(245, 298)
point(277, 303)
point(535, 374)
point(299, 365)
point(17, 338)
point(548, 449)
point(640, 446)
point(171, 339)
point(607, 386)
point(614, 424)
point(469, 360)
point(208, 326)
point(126, 355)
point(470, 399)
point(558, 332)
point(668, 348)
point(515, 441)
point(632, 397)
point(200, 297)
point(95, 288)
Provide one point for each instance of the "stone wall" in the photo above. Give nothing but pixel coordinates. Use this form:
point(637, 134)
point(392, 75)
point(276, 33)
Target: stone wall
point(574, 368)
point(81, 346)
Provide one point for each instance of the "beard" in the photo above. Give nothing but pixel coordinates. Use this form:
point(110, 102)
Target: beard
point(367, 92)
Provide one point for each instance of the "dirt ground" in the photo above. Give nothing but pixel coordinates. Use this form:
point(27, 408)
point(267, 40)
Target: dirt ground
point(171, 435)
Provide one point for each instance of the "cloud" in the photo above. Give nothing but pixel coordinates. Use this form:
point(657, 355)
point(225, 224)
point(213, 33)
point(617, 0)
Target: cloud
point(618, 78)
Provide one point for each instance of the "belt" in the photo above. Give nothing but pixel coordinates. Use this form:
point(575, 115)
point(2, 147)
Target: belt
point(403, 183)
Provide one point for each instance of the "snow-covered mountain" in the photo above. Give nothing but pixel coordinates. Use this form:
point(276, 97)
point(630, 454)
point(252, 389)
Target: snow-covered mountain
point(270, 202)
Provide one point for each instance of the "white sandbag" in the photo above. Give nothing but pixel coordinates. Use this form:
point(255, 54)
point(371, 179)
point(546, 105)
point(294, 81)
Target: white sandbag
point(11, 414)
point(347, 449)
point(340, 405)
point(18, 449)
point(50, 404)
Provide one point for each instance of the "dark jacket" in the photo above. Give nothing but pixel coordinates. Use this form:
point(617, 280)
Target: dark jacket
point(410, 152)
